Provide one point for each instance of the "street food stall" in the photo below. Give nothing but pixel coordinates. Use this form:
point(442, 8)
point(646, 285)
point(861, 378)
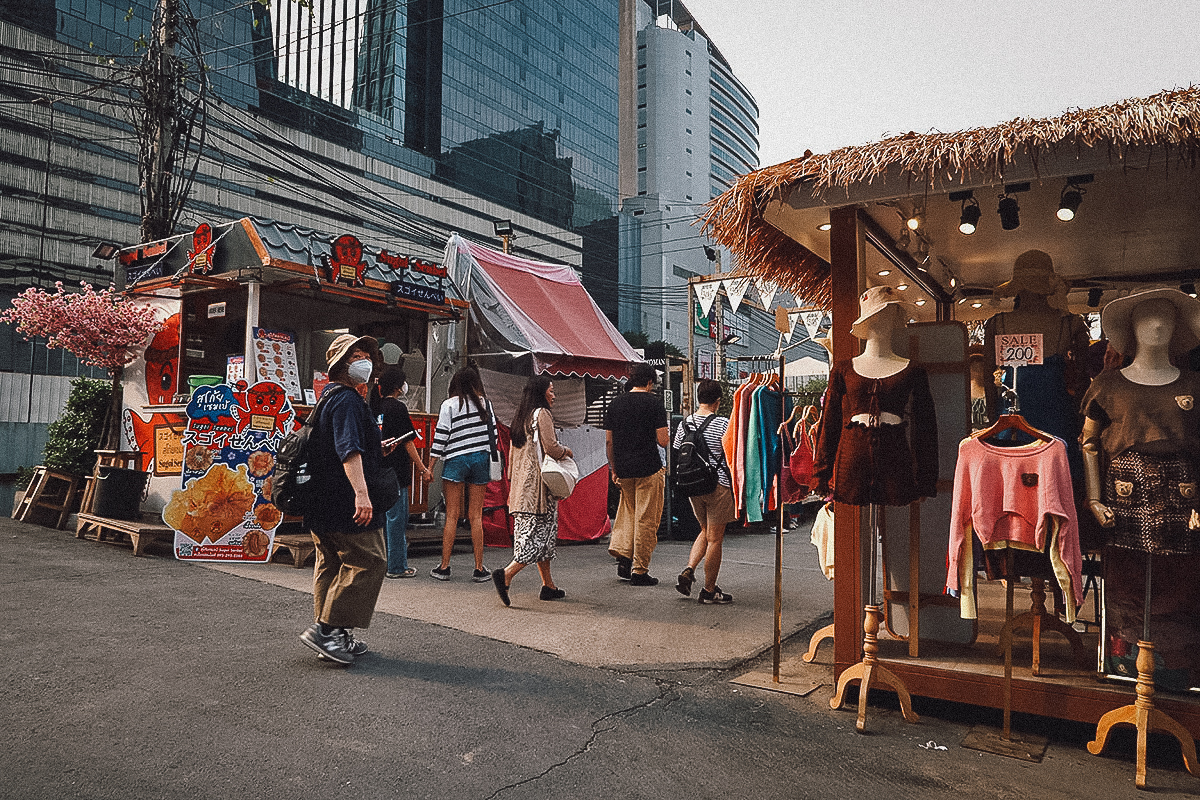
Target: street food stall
point(1079, 210)
point(250, 307)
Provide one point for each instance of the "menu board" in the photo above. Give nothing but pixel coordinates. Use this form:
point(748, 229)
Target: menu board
point(223, 510)
point(275, 360)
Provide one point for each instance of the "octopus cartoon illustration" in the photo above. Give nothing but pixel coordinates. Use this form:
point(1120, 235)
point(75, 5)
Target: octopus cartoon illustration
point(260, 409)
point(162, 363)
point(346, 263)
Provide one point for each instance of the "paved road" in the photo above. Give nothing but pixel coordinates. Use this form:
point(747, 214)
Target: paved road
point(149, 678)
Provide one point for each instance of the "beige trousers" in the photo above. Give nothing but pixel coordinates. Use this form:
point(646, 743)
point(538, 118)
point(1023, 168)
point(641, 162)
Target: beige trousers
point(635, 530)
point(348, 576)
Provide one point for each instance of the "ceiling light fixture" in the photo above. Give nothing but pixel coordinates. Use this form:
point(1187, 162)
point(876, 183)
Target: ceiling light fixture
point(920, 302)
point(968, 219)
point(883, 273)
point(1010, 211)
point(976, 305)
point(824, 226)
point(902, 287)
point(1071, 197)
point(916, 220)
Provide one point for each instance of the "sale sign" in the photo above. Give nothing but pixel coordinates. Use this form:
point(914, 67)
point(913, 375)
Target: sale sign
point(223, 512)
point(1018, 349)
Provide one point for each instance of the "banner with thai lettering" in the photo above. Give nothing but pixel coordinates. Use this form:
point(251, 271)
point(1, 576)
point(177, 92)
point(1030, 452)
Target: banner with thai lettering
point(223, 510)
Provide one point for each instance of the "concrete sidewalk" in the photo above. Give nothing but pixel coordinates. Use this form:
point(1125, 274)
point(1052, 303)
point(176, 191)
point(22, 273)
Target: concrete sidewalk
point(604, 622)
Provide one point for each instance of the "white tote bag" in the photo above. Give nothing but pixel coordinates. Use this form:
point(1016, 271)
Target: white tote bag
point(496, 461)
point(559, 475)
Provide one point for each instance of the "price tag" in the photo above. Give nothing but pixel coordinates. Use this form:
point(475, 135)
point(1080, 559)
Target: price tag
point(1018, 349)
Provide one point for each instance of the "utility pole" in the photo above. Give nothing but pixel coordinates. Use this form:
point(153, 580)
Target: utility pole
point(162, 112)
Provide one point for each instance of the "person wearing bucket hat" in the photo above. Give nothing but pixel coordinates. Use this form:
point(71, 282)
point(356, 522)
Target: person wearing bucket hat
point(1049, 391)
point(878, 439)
point(347, 525)
point(1141, 436)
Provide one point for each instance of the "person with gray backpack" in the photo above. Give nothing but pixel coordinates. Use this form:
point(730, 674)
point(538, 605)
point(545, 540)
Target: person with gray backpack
point(702, 473)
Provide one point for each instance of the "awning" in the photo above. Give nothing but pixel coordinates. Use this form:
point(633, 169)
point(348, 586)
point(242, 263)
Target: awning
point(530, 308)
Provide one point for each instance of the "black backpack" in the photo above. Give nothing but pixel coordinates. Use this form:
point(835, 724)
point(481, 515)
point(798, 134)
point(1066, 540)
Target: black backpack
point(694, 473)
point(291, 491)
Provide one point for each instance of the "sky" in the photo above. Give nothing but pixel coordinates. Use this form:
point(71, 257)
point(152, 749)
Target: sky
point(833, 73)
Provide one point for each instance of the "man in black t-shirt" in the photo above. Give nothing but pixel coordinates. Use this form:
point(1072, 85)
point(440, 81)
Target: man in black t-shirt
point(635, 428)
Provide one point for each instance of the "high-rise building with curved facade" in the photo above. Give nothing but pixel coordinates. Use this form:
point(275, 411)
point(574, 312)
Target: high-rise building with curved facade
point(690, 130)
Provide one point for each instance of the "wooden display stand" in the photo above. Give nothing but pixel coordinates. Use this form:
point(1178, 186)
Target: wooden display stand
point(51, 491)
point(869, 668)
point(1142, 714)
point(815, 642)
point(1037, 620)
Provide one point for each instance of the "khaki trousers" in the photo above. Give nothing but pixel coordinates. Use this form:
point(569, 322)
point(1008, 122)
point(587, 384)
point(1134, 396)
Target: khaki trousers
point(348, 576)
point(635, 530)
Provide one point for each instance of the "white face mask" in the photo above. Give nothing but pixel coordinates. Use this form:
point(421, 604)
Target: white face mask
point(404, 388)
point(359, 371)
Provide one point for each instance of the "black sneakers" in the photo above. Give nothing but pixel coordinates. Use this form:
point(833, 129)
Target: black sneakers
point(551, 594)
point(686, 579)
point(642, 579)
point(331, 646)
point(437, 573)
point(624, 568)
point(481, 575)
point(715, 598)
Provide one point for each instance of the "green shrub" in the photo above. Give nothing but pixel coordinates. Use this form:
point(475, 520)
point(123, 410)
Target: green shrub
point(24, 476)
point(73, 439)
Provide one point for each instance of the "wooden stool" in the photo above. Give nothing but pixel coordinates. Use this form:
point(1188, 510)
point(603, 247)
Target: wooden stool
point(300, 546)
point(51, 491)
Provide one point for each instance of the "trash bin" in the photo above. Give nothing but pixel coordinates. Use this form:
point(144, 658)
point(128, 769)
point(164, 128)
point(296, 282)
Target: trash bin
point(119, 493)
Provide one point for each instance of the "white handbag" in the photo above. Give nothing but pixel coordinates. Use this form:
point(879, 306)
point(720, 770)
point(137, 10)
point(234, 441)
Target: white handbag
point(496, 460)
point(559, 475)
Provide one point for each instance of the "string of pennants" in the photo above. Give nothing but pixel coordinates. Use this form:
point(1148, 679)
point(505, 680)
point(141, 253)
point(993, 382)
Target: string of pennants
point(735, 290)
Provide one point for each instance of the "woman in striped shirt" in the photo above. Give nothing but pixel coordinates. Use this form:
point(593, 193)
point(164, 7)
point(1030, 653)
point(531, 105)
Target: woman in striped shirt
point(463, 438)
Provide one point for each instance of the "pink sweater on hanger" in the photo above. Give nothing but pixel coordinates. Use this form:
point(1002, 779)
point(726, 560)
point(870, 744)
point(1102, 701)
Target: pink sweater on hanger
point(1007, 495)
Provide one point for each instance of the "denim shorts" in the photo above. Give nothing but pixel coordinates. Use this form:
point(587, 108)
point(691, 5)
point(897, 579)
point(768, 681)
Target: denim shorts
point(473, 468)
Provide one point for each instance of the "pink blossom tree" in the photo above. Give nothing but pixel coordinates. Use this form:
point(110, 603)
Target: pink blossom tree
point(104, 329)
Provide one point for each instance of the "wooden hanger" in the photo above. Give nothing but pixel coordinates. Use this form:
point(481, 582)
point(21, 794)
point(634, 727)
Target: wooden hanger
point(1012, 422)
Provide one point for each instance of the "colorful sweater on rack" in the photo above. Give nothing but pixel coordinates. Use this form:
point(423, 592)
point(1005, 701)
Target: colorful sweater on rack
point(1014, 497)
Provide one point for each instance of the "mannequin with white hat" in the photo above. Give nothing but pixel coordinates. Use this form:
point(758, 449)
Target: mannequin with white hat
point(877, 447)
point(1140, 442)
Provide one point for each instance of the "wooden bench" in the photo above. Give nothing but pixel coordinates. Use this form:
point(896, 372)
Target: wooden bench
point(140, 532)
point(300, 545)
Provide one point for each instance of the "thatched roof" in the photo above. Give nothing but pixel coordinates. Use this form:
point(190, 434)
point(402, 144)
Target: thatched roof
point(1169, 119)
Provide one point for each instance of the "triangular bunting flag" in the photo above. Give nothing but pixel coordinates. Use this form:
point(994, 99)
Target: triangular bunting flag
point(812, 322)
point(735, 289)
point(766, 292)
point(792, 317)
point(706, 293)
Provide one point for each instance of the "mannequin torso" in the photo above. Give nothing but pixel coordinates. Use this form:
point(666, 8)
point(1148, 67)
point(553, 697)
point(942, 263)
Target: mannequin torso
point(878, 359)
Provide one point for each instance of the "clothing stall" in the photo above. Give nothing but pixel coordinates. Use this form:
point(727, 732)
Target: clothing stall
point(249, 308)
point(530, 317)
point(1005, 244)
